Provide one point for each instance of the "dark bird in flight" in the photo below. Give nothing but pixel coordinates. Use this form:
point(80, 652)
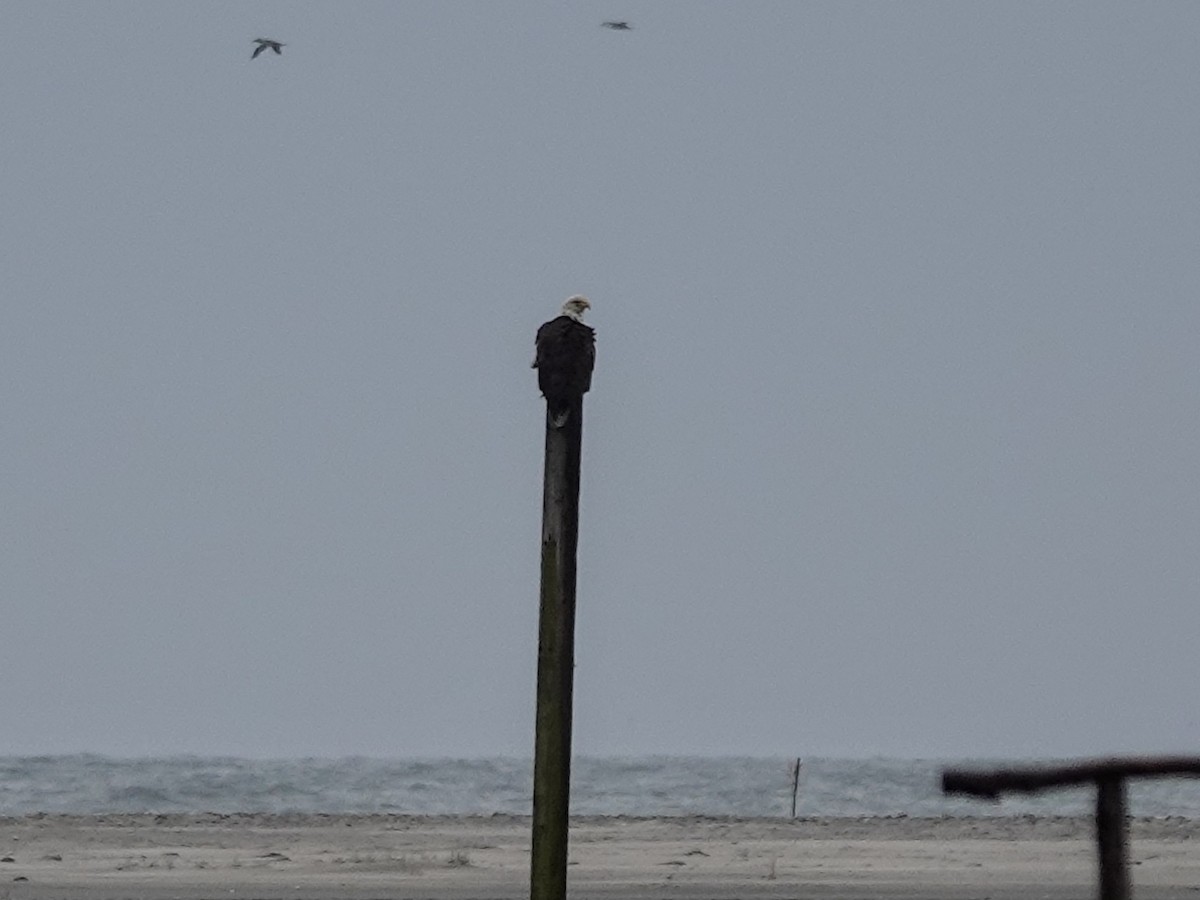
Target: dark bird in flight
point(565, 357)
point(264, 43)
point(617, 26)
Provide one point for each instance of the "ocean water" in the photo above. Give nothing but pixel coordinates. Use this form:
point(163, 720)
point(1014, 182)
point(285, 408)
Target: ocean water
point(635, 786)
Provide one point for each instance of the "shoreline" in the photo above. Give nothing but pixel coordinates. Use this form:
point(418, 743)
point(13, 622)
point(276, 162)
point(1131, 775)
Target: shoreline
point(1008, 827)
point(326, 856)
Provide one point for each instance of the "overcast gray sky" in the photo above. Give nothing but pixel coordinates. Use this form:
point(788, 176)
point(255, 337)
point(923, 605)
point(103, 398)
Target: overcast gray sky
point(892, 445)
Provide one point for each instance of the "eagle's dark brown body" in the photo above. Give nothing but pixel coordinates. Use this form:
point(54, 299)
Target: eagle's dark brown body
point(566, 355)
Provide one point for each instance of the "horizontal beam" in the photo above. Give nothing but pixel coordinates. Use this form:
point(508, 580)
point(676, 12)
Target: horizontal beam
point(1030, 779)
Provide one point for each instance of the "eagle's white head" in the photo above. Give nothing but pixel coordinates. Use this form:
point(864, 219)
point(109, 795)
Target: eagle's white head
point(576, 306)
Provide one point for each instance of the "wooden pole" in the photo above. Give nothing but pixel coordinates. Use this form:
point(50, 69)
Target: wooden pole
point(1031, 779)
point(1112, 838)
point(1110, 776)
point(795, 785)
point(556, 659)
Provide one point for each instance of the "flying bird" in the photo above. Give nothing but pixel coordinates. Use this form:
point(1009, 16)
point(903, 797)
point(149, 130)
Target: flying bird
point(566, 354)
point(264, 43)
point(617, 26)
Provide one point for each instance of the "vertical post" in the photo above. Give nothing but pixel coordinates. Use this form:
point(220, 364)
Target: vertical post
point(1112, 838)
point(556, 658)
point(795, 785)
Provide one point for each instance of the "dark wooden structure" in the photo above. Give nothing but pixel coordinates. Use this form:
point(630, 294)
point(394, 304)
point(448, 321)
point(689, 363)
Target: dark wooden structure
point(795, 784)
point(556, 658)
point(1109, 776)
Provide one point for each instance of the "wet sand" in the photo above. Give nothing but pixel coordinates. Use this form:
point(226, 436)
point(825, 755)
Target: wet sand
point(306, 857)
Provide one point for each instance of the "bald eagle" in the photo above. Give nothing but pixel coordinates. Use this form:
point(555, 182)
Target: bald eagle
point(566, 353)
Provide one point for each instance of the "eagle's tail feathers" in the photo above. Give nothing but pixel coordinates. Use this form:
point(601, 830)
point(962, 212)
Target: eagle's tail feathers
point(558, 417)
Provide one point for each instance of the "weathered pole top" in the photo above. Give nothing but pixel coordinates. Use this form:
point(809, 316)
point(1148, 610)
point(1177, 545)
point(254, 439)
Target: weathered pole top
point(992, 783)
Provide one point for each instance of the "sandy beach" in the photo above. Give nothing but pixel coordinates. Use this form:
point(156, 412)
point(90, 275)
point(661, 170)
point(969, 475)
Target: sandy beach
point(455, 858)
